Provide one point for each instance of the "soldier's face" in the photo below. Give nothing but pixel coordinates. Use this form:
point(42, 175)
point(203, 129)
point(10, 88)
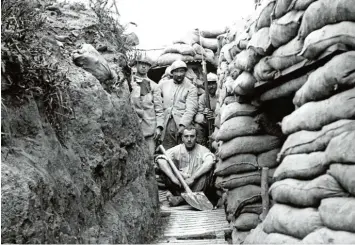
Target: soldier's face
point(142, 68)
point(179, 74)
point(189, 138)
point(212, 87)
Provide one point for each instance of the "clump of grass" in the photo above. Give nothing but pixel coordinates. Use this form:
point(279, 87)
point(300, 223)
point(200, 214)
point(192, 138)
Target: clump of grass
point(26, 67)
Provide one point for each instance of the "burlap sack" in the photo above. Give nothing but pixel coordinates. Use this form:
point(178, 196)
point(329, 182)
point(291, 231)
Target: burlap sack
point(236, 164)
point(314, 115)
point(261, 42)
point(248, 144)
point(93, 62)
point(246, 60)
point(344, 174)
point(189, 38)
point(210, 43)
point(291, 221)
point(327, 236)
point(311, 141)
point(246, 221)
point(225, 51)
point(198, 49)
point(285, 29)
point(281, 8)
point(241, 196)
point(277, 238)
point(243, 39)
point(341, 148)
point(325, 12)
point(244, 84)
point(236, 109)
point(268, 159)
point(213, 33)
point(263, 71)
point(302, 166)
point(337, 74)
point(286, 55)
point(338, 213)
point(306, 193)
point(286, 89)
point(319, 40)
point(256, 236)
point(229, 85)
point(263, 13)
point(255, 208)
point(300, 4)
point(180, 48)
point(168, 59)
point(237, 126)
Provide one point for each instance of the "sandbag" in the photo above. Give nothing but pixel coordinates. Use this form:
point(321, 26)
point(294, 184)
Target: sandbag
point(93, 62)
point(225, 52)
point(300, 4)
point(256, 236)
point(236, 164)
point(319, 40)
point(168, 59)
point(180, 48)
point(338, 213)
point(311, 141)
point(234, 50)
point(244, 84)
point(314, 115)
point(238, 237)
point(235, 72)
point(247, 59)
point(292, 221)
point(327, 236)
point(286, 55)
point(241, 196)
point(236, 109)
point(255, 208)
point(198, 49)
point(213, 33)
point(277, 238)
point(263, 71)
point(281, 8)
point(341, 148)
point(229, 85)
point(306, 193)
point(268, 159)
point(337, 74)
point(344, 174)
point(248, 144)
point(246, 221)
point(285, 29)
point(243, 39)
point(264, 13)
point(231, 99)
point(210, 43)
point(238, 180)
point(189, 38)
point(325, 12)
point(260, 42)
point(237, 126)
point(302, 166)
point(285, 89)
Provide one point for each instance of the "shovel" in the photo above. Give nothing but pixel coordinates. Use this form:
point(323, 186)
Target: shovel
point(197, 200)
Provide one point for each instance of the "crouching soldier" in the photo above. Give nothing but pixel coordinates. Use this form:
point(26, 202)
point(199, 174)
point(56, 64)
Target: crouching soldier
point(195, 163)
point(204, 114)
point(148, 103)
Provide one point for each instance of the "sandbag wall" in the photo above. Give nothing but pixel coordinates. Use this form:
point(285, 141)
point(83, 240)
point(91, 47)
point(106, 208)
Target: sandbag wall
point(313, 187)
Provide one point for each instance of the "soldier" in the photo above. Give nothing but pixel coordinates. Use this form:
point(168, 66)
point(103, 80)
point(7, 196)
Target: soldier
point(147, 102)
point(180, 104)
point(204, 113)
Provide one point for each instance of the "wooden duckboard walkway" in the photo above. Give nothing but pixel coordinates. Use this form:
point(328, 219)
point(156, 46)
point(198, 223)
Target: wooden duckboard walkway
point(188, 226)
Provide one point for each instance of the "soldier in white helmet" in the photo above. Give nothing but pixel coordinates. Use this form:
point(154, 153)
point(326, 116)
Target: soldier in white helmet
point(180, 104)
point(147, 102)
point(204, 113)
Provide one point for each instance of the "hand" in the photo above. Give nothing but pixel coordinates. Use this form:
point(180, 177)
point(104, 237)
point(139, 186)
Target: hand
point(176, 182)
point(185, 176)
point(180, 130)
point(190, 181)
point(209, 114)
point(157, 134)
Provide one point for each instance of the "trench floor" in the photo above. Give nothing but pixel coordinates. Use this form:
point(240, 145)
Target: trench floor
point(185, 225)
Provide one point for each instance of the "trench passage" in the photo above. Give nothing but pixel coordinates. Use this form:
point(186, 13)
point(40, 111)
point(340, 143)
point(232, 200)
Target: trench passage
point(185, 225)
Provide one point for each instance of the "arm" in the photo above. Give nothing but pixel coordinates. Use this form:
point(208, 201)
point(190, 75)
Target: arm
point(191, 107)
point(158, 107)
point(164, 166)
point(205, 167)
point(200, 118)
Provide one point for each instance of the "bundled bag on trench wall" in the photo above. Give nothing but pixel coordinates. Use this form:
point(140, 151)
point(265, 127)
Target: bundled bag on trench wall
point(180, 48)
point(327, 236)
point(263, 13)
point(93, 62)
point(169, 58)
point(344, 174)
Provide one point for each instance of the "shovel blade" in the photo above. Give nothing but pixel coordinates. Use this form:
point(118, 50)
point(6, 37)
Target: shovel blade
point(197, 200)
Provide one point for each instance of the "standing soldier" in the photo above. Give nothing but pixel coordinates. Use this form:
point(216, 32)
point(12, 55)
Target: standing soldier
point(180, 104)
point(204, 113)
point(147, 102)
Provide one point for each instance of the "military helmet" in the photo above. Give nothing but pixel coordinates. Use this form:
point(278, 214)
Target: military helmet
point(178, 64)
point(212, 77)
point(145, 59)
